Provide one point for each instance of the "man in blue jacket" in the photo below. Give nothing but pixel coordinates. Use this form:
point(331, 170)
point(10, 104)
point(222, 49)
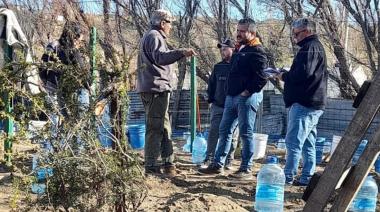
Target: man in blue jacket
point(305, 87)
point(244, 84)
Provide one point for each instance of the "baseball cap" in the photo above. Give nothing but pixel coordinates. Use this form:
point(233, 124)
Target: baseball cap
point(227, 43)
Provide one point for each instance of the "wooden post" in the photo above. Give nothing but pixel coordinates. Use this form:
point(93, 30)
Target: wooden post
point(358, 174)
point(341, 158)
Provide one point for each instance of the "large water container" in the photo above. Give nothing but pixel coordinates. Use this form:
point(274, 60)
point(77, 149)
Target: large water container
point(365, 200)
point(377, 165)
point(186, 147)
point(137, 135)
point(41, 173)
point(359, 151)
point(270, 187)
point(199, 149)
point(105, 129)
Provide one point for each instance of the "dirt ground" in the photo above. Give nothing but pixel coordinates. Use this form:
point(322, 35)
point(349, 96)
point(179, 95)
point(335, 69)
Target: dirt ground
point(187, 192)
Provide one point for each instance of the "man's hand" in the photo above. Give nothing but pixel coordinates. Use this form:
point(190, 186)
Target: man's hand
point(189, 52)
point(245, 93)
point(279, 77)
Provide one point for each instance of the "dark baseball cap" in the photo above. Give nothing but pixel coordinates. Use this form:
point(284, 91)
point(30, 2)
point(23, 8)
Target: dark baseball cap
point(227, 43)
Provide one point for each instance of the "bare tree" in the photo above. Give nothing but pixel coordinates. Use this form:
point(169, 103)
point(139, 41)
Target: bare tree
point(184, 26)
point(367, 15)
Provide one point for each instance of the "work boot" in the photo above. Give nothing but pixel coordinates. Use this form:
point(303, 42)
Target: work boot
point(170, 171)
point(211, 169)
point(152, 170)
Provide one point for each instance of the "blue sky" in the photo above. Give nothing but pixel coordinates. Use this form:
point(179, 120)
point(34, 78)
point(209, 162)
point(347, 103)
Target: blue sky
point(259, 12)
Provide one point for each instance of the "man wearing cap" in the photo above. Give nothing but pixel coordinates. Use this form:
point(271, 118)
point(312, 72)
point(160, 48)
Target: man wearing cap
point(305, 88)
point(216, 97)
point(244, 84)
point(154, 83)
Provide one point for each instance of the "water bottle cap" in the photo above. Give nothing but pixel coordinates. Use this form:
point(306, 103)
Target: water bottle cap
point(272, 160)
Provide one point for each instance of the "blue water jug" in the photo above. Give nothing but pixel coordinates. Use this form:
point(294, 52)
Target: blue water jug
point(270, 187)
point(137, 135)
point(199, 149)
point(365, 200)
point(359, 152)
point(377, 165)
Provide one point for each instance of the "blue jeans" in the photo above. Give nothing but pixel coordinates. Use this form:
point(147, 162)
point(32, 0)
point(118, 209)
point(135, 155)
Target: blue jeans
point(300, 138)
point(244, 110)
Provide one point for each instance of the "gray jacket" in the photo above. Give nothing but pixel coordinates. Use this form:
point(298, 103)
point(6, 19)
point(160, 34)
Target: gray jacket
point(154, 73)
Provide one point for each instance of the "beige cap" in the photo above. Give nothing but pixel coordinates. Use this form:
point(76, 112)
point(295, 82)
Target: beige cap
point(161, 15)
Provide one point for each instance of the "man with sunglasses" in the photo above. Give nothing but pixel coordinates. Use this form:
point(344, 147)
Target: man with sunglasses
point(305, 88)
point(155, 81)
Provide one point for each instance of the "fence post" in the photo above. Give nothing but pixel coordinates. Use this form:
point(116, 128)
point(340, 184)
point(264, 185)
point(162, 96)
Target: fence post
point(9, 123)
point(193, 105)
point(94, 72)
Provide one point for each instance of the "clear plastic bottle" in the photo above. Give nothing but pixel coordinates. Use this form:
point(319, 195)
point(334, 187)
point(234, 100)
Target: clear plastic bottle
point(365, 200)
point(270, 187)
point(199, 149)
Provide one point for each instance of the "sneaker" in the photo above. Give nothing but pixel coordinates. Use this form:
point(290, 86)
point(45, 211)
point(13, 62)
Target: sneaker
point(242, 175)
point(228, 166)
point(298, 183)
point(211, 169)
point(170, 171)
point(152, 170)
point(205, 164)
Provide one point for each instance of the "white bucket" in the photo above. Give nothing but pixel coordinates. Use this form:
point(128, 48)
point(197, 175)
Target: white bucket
point(335, 141)
point(260, 145)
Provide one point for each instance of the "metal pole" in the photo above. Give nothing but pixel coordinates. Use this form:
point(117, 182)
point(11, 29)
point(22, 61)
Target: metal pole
point(193, 106)
point(95, 73)
point(9, 124)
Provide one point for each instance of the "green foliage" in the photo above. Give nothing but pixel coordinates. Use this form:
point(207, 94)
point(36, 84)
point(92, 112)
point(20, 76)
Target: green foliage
point(85, 176)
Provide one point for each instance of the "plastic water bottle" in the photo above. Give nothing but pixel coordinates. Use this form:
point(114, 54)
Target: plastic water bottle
point(270, 187)
point(199, 149)
point(186, 147)
point(281, 144)
point(365, 200)
point(377, 165)
point(359, 151)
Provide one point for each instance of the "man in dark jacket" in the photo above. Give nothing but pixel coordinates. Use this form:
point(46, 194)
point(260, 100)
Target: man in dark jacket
point(154, 83)
point(244, 84)
point(216, 97)
point(305, 94)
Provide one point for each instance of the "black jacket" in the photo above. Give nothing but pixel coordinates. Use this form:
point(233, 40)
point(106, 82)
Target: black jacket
point(216, 84)
point(306, 82)
point(57, 54)
point(246, 72)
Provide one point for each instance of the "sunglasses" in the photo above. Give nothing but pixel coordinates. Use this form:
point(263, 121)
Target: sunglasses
point(297, 33)
point(166, 21)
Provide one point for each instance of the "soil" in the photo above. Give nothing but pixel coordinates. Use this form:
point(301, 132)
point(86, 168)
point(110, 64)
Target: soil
point(189, 191)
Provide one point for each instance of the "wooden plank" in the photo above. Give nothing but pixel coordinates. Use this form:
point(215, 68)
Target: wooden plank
point(346, 148)
point(357, 176)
